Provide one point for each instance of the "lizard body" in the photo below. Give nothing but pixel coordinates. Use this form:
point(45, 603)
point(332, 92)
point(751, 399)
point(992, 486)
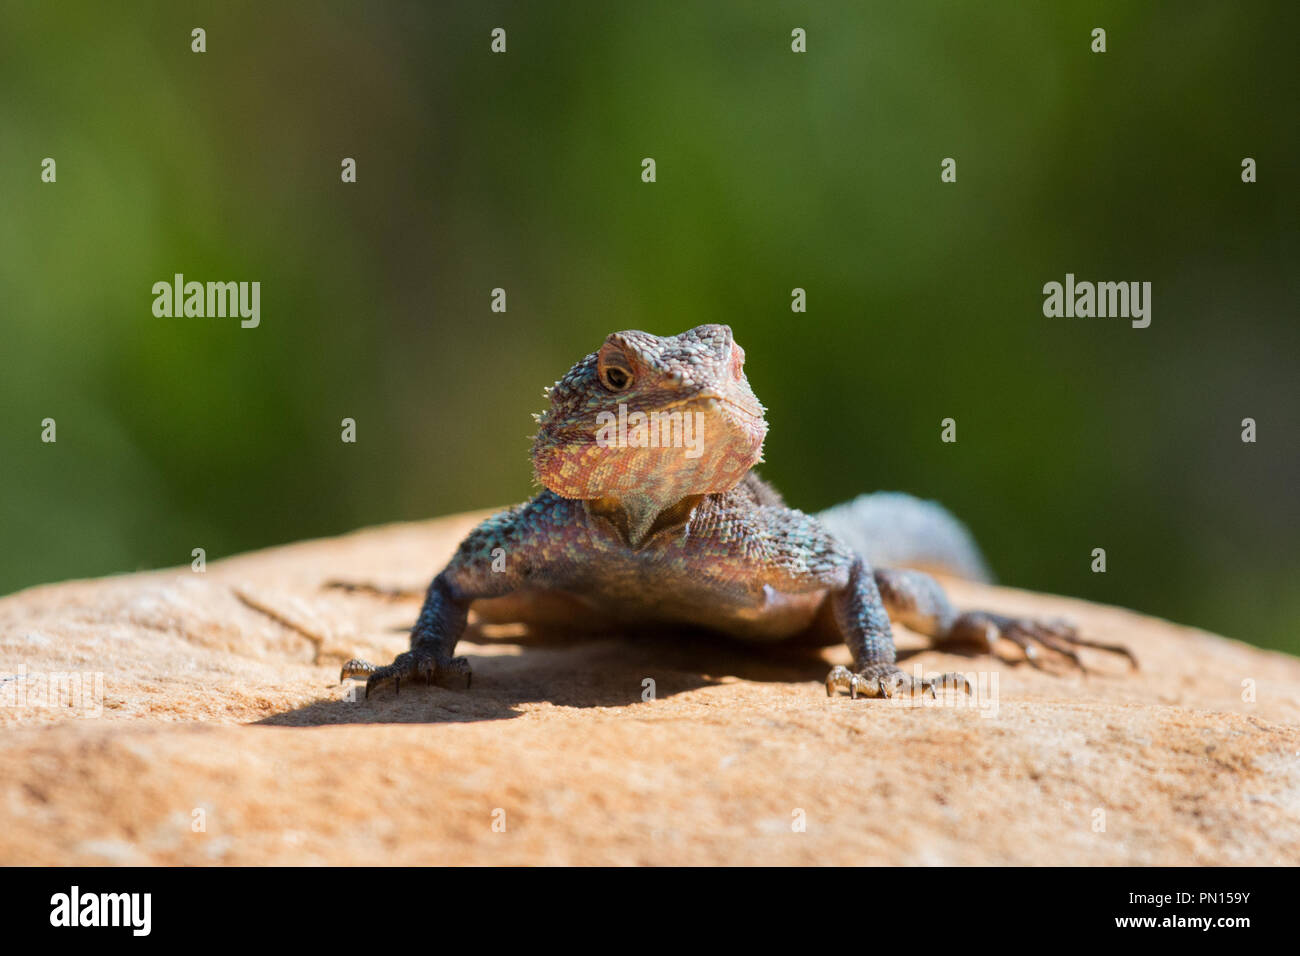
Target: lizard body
point(635, 525)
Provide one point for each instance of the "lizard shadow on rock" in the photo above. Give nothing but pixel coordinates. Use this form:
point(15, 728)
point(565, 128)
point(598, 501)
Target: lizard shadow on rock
point(591, 671)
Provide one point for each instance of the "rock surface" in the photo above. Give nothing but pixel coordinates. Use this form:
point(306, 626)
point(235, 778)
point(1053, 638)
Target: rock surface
point(220, 735)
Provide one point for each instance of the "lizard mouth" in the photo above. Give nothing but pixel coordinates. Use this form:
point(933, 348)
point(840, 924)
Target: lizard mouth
point(749, 409)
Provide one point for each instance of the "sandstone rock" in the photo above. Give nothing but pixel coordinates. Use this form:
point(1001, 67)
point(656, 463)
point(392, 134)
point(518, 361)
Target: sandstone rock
point(221, 704)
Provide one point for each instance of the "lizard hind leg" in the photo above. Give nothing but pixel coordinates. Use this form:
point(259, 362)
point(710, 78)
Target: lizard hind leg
point(982, 629)
point(916, 600)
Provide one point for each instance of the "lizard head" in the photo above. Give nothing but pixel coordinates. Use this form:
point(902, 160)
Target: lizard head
point(647, 421)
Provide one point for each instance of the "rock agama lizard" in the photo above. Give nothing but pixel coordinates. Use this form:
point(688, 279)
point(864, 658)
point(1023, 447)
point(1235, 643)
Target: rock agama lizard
point(632, 528)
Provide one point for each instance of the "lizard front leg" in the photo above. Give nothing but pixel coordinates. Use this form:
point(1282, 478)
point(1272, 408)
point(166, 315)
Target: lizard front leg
point(433, 640)
point(494, 559)
point(859, 613)
point(917, 600)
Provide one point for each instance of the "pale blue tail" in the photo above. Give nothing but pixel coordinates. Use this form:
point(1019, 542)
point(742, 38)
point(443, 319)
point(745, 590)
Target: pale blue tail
point(894, 530)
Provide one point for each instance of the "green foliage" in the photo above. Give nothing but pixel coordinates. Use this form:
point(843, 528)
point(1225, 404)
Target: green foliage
point(775, 170)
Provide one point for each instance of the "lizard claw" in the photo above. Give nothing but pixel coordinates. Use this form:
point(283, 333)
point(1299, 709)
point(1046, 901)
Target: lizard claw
point(356, 668)
point(887, 680)
point(412, 665)
point(983, 628)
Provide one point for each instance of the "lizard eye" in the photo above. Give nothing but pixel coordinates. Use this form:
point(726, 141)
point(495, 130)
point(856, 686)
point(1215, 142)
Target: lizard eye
point(615, 378)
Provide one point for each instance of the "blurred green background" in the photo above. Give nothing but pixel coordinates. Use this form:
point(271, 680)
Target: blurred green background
point(775, 170)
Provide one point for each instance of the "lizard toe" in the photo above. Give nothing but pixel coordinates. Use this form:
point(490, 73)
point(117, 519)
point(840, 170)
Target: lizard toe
point(1030, 636)
point(889, 681)
point(418, 666)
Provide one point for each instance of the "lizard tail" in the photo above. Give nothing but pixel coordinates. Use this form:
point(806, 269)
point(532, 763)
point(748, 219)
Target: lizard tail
point(894, 530)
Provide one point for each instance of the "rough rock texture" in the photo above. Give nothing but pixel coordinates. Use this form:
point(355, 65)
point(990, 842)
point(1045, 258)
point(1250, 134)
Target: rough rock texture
point(215, 710)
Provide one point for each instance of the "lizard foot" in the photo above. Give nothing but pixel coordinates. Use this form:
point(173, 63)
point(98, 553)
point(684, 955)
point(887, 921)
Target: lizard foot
point(887, 680)
point(412, 665)
point(983, 628)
